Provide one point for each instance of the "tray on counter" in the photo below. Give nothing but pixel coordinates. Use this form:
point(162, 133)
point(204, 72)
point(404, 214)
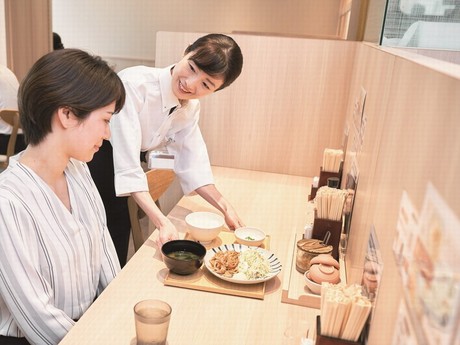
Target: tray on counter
point(294, 289)
point(205, 281)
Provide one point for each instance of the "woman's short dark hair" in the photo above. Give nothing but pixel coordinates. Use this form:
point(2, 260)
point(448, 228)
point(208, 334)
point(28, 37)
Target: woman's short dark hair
point(217, 55)
point(57, 42)
point(65, 78)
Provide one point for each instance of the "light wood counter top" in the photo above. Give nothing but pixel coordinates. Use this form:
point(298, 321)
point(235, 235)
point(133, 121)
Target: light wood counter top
point(276, 203)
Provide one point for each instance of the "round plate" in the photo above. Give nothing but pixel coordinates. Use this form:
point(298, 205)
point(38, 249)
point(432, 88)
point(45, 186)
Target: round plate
point(275, 265)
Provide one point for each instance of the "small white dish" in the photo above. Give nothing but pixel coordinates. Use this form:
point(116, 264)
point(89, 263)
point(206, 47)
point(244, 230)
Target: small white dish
point(311, 285)
point(250, 236)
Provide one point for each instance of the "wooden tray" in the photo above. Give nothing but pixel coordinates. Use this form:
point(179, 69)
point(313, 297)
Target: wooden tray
point(205, 281)
point(294, 289)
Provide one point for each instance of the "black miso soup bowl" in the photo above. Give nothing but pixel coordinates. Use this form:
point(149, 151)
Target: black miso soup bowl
point(182, 264)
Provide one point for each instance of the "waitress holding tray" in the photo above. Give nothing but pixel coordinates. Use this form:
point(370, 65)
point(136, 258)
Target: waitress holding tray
point(161, 113)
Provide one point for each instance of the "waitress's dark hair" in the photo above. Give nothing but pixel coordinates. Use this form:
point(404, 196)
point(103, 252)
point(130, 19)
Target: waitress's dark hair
point(57, 42)
point(217, 55)
point(65, 78)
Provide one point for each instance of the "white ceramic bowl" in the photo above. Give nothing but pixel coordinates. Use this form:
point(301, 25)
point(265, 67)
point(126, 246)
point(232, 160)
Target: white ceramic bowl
point(250, 236)
point(204, 226)
point(314, 287)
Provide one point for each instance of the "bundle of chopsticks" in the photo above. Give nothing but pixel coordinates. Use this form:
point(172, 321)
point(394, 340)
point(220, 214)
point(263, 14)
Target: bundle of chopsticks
point(332, 160)
point(329, 203)
point(344, 311)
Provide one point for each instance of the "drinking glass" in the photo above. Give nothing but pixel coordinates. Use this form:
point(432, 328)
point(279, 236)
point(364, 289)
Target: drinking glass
point(152, 322)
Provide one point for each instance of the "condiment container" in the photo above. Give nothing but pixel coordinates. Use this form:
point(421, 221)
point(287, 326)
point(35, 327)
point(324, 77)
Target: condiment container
point(320, 273)
point(308, 249)
point(308, 231)
point(324, 268)
point(315, 182)
point(333, 182)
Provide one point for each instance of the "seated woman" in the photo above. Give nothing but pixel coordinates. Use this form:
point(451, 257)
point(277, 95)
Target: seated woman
point(56, 254)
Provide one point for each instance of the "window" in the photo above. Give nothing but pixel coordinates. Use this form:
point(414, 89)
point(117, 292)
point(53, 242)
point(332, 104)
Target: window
point(432, 24)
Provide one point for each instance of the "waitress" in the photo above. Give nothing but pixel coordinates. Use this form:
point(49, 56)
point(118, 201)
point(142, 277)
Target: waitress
point(161, 113)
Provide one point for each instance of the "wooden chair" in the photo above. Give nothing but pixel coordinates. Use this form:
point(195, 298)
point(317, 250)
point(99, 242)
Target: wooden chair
point(158, 181)
point(12, 118)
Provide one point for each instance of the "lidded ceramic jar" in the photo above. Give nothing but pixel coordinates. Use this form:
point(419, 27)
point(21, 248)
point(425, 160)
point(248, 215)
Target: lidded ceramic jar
point(324, 268)
point(307, 249)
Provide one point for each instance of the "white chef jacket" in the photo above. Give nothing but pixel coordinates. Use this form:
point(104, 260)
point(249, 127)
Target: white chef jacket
point(53, 263)
point(145, 124)
point(8, 95)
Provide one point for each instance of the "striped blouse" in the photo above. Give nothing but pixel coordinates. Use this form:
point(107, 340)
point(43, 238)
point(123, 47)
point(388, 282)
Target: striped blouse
point(53, 263)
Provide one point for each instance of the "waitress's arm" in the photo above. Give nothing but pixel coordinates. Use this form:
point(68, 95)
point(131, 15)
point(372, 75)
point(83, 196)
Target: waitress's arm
point(167, 230)
point(215, 198)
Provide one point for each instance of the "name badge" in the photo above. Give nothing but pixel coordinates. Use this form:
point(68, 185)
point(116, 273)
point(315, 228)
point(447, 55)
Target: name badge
point(161, 160)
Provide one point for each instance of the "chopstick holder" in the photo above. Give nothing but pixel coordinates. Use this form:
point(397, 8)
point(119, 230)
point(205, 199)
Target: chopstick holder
point(344, 312)
point(332, 160)
point(329, 203)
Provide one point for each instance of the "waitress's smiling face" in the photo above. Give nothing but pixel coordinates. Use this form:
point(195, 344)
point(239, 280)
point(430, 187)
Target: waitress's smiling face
point(189, 82)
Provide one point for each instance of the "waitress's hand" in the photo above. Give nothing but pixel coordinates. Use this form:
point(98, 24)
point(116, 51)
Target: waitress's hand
point(168, 232)
point(232, 219)
point(214, 197)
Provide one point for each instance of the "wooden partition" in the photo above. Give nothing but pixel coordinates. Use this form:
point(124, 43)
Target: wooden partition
point(287, 106)
point(411, 139)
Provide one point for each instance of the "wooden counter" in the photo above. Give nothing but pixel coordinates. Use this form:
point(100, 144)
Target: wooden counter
point(273, 202)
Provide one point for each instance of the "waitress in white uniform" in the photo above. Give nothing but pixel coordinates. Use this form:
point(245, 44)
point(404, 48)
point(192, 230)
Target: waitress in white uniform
point(161, 113)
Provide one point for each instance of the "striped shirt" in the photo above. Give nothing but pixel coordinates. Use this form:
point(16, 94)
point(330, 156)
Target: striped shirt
point(53, 263)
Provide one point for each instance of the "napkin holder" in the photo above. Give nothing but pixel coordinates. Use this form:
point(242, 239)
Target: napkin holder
point(325, 340)
point(323, 176)
point(320, 229)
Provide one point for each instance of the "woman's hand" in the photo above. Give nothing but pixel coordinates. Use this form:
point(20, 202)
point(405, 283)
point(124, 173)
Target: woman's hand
point(168, 232)
point(232, 219)
point(215, 198)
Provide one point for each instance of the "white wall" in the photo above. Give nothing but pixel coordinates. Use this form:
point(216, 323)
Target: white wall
point(126, 29)
point(2, 34)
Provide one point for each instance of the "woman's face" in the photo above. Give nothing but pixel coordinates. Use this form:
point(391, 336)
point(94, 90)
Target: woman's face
point(189, 82)
point(90, 133)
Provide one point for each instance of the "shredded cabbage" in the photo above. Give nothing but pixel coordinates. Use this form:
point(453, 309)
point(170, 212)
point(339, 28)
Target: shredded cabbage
point(252, 265)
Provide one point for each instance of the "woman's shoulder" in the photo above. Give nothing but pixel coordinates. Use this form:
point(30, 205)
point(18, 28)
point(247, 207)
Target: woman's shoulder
point(17, 181)
point(139, 73)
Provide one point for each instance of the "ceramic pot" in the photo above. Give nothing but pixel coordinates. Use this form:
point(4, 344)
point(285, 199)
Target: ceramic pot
point(324, 273)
